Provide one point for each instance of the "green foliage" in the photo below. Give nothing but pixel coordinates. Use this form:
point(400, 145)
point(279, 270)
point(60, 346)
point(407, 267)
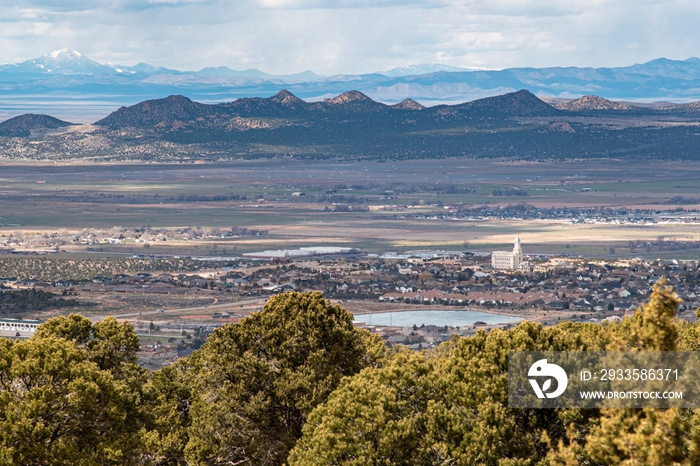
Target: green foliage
point(168, 399)
point(447, 407)
point(37, 300)
point(51, 269)
point(256, 382)
point(74, 327)
point(381, 416)
point(109, 344)
point(71, 395)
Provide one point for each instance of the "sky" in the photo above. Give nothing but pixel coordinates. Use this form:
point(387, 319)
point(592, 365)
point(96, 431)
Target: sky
point(352, 36)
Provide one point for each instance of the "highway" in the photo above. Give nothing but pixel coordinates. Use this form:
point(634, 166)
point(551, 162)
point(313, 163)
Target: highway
point(232, 306)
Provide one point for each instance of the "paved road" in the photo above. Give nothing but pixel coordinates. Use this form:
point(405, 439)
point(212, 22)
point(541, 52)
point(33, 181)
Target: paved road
point(210, 307)
point(12, 334)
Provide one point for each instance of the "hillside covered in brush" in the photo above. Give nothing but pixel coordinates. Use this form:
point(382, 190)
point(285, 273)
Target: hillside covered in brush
point(352, 125)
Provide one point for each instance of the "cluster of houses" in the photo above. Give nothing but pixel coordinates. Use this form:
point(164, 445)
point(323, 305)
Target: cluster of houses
point(38, 242)
point(557, 283)
point(592, 287)
point(524, 211)
point(428, 296)
point(479, 298)
point(575, 285)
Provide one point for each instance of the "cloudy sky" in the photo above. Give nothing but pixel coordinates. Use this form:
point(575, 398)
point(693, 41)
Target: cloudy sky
point(352, 36)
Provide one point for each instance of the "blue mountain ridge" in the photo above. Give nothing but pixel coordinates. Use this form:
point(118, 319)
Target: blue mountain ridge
point(45, 82)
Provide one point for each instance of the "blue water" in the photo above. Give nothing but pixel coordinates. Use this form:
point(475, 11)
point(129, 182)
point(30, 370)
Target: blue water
point(441, 318)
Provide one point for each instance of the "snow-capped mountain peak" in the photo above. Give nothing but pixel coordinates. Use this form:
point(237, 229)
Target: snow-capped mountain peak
point(65, 61)
point(64, 54)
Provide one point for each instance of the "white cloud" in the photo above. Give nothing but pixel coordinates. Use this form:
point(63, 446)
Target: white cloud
point(175, 2)
point(352, 36)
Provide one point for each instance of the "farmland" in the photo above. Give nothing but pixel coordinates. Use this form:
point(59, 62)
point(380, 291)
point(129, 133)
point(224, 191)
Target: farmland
point(369, 205)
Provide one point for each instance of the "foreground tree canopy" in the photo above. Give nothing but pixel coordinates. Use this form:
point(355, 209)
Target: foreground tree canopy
point(297, 384)
point(255, 383)
point(72, 394)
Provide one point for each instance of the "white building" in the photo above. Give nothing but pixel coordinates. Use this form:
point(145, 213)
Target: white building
point(505, 260)
point(19, 325)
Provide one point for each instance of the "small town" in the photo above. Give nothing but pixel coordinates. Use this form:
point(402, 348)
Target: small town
point(509, 283)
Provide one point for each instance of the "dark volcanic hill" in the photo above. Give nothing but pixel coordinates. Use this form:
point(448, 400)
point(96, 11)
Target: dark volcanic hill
point(170, 113)
point(23, 125)
point(354, 101)
point(515, 104)
point(690, 107)
point(284, 103)
point(178, 113)
point(409, 104)
point(592, 102)
point(348, 123)
point(285, 97)
point(353, 97)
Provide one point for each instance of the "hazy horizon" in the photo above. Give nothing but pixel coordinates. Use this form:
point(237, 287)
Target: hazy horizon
point(293, 72)
point(352, 37)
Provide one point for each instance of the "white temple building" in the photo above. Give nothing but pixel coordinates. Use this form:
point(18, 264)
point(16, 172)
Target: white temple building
point(506, 260)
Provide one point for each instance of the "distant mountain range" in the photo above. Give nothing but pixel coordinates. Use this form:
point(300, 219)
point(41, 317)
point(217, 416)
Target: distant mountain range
point(352, 125)
point(70, 85)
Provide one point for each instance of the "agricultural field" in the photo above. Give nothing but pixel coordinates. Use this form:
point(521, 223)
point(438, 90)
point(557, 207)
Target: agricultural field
point(247, 206)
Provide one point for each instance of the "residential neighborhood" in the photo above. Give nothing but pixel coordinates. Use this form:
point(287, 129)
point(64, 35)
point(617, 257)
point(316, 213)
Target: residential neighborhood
point(551, 289)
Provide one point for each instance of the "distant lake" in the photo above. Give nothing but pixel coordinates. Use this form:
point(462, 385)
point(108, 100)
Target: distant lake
point(440, 318)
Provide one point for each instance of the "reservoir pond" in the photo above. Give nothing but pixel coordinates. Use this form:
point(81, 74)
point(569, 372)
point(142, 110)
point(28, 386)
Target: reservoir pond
point(428, 317)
